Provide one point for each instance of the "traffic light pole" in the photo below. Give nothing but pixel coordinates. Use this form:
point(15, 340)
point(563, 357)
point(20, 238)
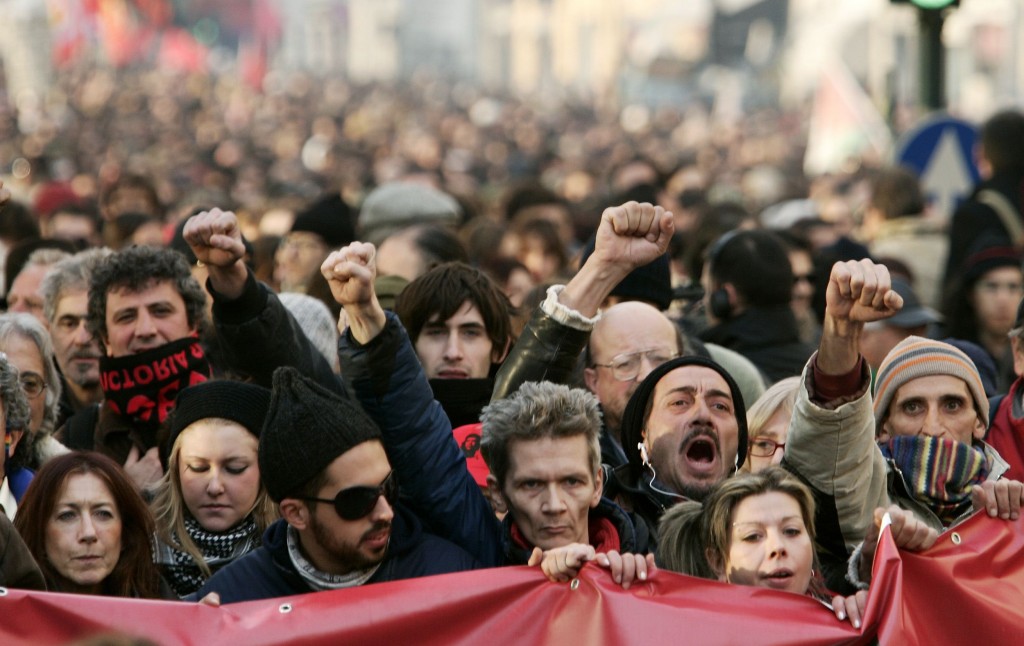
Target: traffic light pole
point(933, 59)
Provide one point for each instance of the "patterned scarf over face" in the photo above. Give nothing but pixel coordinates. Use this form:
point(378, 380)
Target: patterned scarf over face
point(939, 472)
point(218, 549)
point(143, 386)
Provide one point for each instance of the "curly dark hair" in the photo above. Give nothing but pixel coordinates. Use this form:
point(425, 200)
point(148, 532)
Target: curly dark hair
point(136, 269)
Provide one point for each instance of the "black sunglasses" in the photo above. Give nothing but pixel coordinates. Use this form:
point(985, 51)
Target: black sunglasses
point(356, 502)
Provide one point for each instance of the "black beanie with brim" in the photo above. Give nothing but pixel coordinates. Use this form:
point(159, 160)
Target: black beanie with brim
point(633, 417)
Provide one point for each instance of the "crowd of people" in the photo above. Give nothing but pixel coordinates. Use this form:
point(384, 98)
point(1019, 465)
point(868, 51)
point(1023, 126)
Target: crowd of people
point(265, 345)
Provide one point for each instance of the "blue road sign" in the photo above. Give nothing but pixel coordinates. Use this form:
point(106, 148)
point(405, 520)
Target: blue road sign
point(941, 151)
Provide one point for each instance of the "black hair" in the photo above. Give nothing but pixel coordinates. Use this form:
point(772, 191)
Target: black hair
point(756, 264)
point(441, 292)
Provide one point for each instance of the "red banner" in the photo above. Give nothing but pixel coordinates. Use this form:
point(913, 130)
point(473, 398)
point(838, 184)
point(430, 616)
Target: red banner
point(967, 587)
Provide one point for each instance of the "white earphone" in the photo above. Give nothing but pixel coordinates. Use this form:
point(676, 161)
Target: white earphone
point(644, 458)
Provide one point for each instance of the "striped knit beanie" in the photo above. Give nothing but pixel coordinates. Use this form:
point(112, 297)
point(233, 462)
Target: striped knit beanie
point(915, 357)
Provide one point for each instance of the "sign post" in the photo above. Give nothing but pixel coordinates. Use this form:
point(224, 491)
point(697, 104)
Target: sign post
point(931, 14)
point(941, 151)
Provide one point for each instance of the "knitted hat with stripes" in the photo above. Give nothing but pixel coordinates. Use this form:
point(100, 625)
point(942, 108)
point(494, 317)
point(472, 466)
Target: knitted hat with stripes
point(916, 357)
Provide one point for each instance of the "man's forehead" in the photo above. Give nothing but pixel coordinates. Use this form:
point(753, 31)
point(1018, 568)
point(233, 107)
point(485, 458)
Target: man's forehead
point(698, 378)
point(633, 318)
point(467, 313)
point(29, 278)
point(151, 285)
point(933, 386)
point(541, 455)
point(73, 299)
point(365, 464)
point(151, 291)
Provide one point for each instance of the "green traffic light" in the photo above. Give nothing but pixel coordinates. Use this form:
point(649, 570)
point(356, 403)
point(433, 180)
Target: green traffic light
point(932, 4)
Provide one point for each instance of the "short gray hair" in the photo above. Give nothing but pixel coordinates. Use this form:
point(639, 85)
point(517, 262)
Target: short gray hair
point(70, 274)
point(539, 410)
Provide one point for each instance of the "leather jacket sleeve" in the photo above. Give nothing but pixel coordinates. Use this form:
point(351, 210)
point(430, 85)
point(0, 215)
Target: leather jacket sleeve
point(258, 334)
point(546, 351)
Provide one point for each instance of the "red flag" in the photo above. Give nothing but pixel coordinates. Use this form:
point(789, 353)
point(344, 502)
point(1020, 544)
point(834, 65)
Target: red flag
point(966, 589)
point(953, 593)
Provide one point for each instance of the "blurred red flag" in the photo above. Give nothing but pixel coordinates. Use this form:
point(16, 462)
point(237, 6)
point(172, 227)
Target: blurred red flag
point(181, 52)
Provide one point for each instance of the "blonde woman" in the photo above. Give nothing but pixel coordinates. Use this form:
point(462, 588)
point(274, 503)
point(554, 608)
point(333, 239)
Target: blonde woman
point(754, 529)
point(768, 424)
point(211, 507)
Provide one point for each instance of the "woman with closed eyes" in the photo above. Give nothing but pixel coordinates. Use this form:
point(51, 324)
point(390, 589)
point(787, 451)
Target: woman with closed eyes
point(210, 506)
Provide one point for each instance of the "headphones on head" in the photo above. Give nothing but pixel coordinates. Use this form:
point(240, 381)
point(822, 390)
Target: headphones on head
point(718, 300)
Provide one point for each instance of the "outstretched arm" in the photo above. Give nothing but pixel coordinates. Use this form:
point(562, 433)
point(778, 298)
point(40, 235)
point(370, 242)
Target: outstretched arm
point(629, 236)
point(379, 363)
point(350, 272)
point(216, 241)
point(246, 315)
point(858, 292)
point(831, 442)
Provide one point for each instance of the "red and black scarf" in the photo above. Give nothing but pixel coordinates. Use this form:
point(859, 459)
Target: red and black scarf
point(143, 386)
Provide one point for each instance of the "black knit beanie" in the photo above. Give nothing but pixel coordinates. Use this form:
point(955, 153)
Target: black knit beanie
point(307, 428)
point(239, 402)
point(330, 218)
point(633, 417)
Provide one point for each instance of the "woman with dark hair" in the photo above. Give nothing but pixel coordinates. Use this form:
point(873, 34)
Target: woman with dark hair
point(211, 507)
point(535, 243)
point(89, 529)
point(982, 306)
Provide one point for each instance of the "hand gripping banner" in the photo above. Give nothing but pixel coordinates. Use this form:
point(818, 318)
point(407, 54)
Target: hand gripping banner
point(968, 587)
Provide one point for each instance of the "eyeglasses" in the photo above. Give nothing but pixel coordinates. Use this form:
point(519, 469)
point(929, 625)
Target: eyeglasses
point(765, 447)
point(32, 384)
point(357, 502)
point(302, 245)
point(625, 367)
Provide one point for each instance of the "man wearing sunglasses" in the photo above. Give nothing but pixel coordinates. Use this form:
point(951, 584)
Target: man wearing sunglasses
point(321, 459)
